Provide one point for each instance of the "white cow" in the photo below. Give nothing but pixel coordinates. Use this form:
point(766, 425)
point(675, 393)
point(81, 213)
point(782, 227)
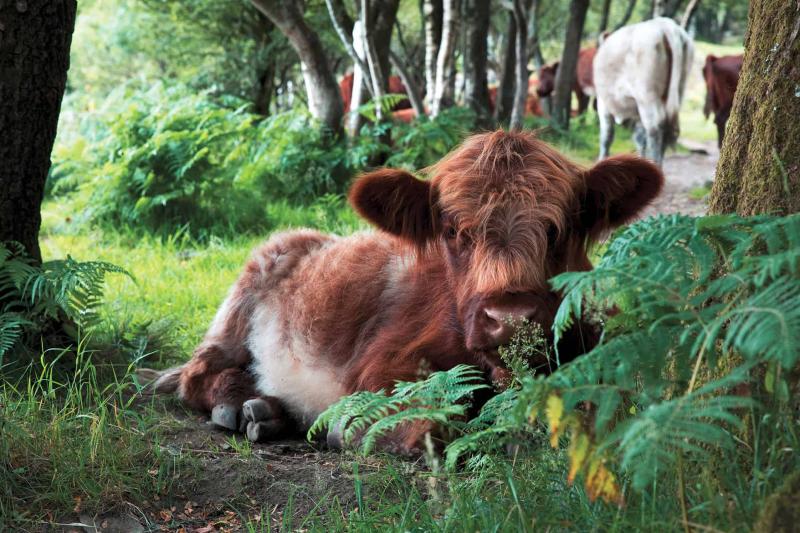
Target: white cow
point(640, 75)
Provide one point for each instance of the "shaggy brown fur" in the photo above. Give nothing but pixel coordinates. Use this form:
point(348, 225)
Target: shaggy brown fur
point(314, 317)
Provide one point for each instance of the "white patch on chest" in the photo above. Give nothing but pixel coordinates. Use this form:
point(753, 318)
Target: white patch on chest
point(285, 367)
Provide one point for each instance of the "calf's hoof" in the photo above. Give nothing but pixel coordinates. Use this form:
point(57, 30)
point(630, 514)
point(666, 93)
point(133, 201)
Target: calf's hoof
point(262, 419)
point(225, 416)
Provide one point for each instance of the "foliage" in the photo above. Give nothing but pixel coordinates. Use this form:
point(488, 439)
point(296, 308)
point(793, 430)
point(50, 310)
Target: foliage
point(440, 398)
point(425, 141)
point(34, 297)
point(705, 306)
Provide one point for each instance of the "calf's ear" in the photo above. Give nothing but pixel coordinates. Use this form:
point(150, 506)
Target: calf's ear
point(395, 201)
point(617, 190)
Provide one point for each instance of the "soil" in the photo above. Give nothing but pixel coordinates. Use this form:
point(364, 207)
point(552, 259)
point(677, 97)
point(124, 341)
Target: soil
point(685, 172)
point(219, 486)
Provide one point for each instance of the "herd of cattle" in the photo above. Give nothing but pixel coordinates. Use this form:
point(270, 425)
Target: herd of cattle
point(457, 263)
point(637, 76)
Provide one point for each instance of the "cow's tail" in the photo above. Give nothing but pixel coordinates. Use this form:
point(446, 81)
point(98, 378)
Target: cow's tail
point(680, 67)
point(159, 381)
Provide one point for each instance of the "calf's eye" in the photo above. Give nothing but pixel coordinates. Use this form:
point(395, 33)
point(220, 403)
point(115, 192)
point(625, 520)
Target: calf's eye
point(451, 233)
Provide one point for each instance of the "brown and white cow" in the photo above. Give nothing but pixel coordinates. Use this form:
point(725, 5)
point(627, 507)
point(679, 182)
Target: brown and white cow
point(640, 74)
point(584, 78)
point(722, 77)
point(457, 262)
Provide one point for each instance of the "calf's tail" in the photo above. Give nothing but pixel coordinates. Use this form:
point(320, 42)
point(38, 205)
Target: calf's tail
point(160, 381)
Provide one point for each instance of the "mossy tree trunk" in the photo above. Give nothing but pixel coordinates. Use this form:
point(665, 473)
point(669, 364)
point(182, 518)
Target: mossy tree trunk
point(759, 166)
point(35, 36)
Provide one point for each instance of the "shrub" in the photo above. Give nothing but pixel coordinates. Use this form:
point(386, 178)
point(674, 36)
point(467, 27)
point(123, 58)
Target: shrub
point(425, 141)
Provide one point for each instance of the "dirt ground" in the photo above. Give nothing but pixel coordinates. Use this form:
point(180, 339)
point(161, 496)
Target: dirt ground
point(684, 172)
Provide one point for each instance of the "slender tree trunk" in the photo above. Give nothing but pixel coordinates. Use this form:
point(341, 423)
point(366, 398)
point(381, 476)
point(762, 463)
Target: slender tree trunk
point(361, 81)
point(375, 72)
point(521, 8)
point(476, 89)
point(657, 9)
point(324, 100)
point(432, 18)
point(505, 93)
point(35, 38)
point(689, 13)
point(266, 87)
point(604, 11)
point(384, 16)
point(759, 167)
point(565, 77)
point(444, 59)
point(534, 47)
point(627, 15)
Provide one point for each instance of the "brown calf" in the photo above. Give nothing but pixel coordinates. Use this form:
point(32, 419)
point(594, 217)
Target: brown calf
point(457, 262)
point(583, 87)
point(722, 76)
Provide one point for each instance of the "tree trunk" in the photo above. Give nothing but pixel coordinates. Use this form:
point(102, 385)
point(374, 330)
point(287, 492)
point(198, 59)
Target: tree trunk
point(476, 89)
point(376, 77)
point(565, 77)
point(521, 8)
point(35, 37)
point(658, 8)
point(324, 100)
point(266, 86)
point(689, 13)
point(384, 15)
point(604, 11)
point(505, 93)
point(445, 59)
point(627, 16)
point(432, 18)
point(759, 167)
point(534, 47)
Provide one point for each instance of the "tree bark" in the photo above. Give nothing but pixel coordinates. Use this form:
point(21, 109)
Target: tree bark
point(444, 59)
point(604, 11)
point(521, 8)
point(657, 9)
point(476, 89)
point(324, 100)
point(627, 15)
point(505, 93)
point(376, 77)
point(689, 13)
point(534, 47)
point(759, 167)
point(565, 77)
point(35, 38)
point(432, 22)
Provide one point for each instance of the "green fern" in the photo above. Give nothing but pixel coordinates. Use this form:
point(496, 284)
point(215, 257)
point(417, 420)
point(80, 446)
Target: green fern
point(704, 305)
point(441, 398)
point(66, 291)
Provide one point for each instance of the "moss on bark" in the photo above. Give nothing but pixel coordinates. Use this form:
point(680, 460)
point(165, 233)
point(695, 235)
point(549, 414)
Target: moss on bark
point(759, 167)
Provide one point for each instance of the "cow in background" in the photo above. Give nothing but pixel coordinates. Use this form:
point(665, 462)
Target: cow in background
point(533, 107)
point(640, 74)
point(722, 76)
point(459, 261)
point(583, 87)
point(396, 86)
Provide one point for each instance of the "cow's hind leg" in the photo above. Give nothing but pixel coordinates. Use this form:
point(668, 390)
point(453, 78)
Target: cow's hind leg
point(640, 139)
point(606, 129)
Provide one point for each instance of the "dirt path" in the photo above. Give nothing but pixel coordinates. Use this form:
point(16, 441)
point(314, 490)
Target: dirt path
point(684, 172)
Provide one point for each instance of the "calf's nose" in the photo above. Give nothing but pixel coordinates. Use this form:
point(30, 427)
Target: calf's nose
point(502, 322)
